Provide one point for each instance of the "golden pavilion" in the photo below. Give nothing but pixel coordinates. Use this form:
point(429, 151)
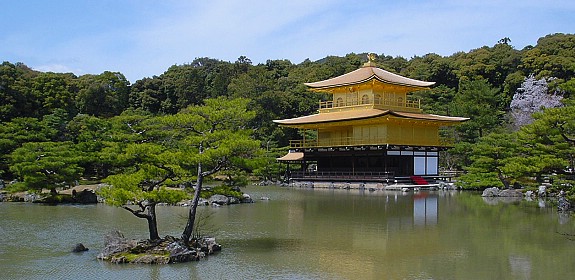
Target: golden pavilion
point(370, 131)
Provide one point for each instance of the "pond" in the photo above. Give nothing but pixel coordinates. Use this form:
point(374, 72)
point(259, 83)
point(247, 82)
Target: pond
point(307, 234)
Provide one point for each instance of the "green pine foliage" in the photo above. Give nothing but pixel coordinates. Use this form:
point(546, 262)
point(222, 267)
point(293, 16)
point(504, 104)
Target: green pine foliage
point(39, 165)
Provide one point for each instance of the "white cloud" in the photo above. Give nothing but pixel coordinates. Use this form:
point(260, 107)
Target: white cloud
point(57, 68)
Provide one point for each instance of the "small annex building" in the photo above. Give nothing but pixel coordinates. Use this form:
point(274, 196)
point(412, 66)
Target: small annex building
point(370, 131)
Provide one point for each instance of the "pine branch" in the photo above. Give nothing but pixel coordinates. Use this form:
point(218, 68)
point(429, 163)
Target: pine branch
point(221, 164)
point(564, 134)
point(137, 213)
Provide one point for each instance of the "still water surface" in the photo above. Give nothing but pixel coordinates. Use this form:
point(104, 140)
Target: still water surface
point(307, 234)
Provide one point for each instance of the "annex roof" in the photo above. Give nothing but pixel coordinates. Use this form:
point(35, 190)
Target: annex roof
point(365, 74)
point(291, 156)
point(363, 114)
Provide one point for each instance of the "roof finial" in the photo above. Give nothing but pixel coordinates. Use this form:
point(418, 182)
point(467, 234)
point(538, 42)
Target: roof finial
point(371, 57)
point(370, 60)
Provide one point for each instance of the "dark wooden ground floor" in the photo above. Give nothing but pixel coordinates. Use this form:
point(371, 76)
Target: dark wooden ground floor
point(368, 163)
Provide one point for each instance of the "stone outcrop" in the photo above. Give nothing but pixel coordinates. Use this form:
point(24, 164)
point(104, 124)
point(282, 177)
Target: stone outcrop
point(495, 192)
point(114, 243)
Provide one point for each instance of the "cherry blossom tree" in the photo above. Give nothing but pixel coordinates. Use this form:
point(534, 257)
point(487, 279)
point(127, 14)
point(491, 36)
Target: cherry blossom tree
point(532, 97)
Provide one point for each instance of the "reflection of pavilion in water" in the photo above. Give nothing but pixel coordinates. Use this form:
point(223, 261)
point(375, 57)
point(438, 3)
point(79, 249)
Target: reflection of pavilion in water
point(385, 209)
point(425, 211)
point(394, 227)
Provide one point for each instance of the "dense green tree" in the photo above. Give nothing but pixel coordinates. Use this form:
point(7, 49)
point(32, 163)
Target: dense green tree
point(53, 91)
point(91, 135)
point(481, 102)
point(251, 84)
point(15, 91)
point(103, 95)
point(148, 94)
point(395, 64)
point(432, 67)
point(140, 187)
point(550, 141)
point(242, 64)
point(39, 165)
point(145, 163)
point(544, 148)
point(553, 56)
point(491, 63)
point(215, 138)
point(17, 132)
point(183, 86)
point(55, 124)
point(489, 158)
point(156, 152)
point(436, 100)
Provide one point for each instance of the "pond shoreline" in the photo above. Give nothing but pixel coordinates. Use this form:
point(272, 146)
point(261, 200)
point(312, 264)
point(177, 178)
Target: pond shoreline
point(86, 194)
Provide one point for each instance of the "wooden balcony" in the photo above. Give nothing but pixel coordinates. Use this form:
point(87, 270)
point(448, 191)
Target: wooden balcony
point(342, 176)
point(351, 142)
point(395, 104)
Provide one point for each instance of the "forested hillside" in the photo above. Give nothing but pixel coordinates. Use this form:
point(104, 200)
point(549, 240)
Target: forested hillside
point(77, 120)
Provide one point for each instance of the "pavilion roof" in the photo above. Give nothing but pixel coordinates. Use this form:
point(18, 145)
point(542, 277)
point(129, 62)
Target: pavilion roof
point(364, 114)
point(365, 74)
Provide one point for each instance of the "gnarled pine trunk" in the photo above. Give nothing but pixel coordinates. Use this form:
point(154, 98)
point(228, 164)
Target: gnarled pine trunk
point(187, 234)
point(152, 222)
point(147, 211)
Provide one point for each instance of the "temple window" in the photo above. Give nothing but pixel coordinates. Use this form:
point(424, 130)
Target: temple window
point(339, 102)
point(365, 99)
point(377, 99)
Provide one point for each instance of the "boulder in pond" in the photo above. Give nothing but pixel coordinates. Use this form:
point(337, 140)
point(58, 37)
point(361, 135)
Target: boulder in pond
point(490, 192)
point(219, 199)
point(86, 196)
point(246, 198)
point(233, 200)
point(79, 248)
point(510, 193)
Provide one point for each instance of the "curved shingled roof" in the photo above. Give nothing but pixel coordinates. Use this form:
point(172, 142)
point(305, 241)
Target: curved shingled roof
point(364, 114)
point(291, 156)
point(367, 73)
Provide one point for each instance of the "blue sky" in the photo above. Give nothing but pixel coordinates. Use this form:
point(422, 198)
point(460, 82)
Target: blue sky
point(142, 38)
